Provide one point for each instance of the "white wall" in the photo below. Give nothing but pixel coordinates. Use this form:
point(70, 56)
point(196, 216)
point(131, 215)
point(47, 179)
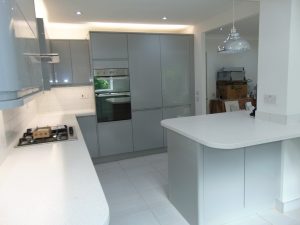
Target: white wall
point(13, 122)
point(278, 75)
point(273, 55)
point(66, 99)
point(216, 61)
point(294, 57)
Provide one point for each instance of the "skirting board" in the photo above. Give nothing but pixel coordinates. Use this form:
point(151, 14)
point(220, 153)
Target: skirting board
point(284, 207)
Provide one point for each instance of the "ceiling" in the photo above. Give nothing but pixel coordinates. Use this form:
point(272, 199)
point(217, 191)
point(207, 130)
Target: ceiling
point(189, 12)
point(248, 27)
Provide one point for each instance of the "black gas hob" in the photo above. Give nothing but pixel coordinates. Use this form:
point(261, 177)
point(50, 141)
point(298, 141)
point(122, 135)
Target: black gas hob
point(58, 133)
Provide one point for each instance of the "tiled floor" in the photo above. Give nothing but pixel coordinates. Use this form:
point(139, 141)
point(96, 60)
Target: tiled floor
point(136, 191)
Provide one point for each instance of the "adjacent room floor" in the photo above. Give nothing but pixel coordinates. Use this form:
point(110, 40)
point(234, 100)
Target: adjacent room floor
point(136, 191)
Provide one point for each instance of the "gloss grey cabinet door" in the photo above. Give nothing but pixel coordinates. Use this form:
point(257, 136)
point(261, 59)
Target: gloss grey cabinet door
point(108, 45)
point(63, 70)
point(88, 127)
point(176, 69)
point(80, 58)
point(147, 131)
point(145, 71)
point(115, 137)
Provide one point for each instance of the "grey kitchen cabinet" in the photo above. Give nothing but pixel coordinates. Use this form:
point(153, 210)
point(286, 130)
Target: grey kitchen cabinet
point(20, 74)
point(28, 11)
point(145, 71)
point(63, 70)
point(174, 112)
point(176, 62)
point(115, 137)
point(74, 66)
point(108, 45)
point(80, 58)
point(88, 127)
point(147, 131)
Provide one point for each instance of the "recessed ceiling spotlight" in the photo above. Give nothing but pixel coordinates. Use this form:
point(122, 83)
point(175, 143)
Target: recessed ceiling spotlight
point(78, 13)
point(164, 18)
point(221, 28)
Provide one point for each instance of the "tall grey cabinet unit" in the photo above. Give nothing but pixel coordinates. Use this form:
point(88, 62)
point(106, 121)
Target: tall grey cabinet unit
point(108, 46)
point(177, 64)
point(145, 71)
point(74, 66)
point(20, 74)
point(176, 70)
point(146, 90)
point(88, 127)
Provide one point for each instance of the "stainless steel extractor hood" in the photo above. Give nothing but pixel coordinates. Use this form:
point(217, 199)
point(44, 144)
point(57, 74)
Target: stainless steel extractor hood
point(51, 58)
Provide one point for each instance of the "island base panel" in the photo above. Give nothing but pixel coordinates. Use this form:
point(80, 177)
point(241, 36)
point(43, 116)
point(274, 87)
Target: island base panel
point(215, 186)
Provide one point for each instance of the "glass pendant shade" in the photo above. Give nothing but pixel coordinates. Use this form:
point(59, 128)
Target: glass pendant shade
point(234, 44)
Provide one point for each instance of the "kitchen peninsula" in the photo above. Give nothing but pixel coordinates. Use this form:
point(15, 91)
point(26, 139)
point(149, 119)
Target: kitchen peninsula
point(225, 166)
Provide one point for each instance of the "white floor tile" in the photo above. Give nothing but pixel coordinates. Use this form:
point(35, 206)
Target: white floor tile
point(106, 166)
point(252, 220)
point(127, 205)
point(157, 157)
point(110, 173)
point(141, 218)
point(167, 214)
point(160, 165)
point(294, 214)
point(118, 189)
point(139, 170)
point(148, 180)
point(133, 163)
point(155, 195)
point(276, 218)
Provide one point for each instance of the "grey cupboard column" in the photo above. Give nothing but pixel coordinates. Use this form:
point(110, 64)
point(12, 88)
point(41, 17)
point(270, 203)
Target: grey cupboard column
point(62, 70)
point(108, 45)
point(176, 69)
point(145, 71)
point(80, 61)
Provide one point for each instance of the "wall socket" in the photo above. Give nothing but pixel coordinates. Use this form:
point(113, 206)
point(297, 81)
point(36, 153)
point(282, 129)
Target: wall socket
point(270, 99)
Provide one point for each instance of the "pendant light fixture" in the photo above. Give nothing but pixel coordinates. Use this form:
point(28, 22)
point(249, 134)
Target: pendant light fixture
point(234, 43)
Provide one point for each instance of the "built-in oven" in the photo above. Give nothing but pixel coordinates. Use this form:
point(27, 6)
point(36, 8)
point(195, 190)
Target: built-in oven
point(112, 93)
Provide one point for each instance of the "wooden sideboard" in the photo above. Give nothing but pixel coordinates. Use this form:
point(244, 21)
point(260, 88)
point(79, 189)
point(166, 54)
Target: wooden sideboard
point(218, 105)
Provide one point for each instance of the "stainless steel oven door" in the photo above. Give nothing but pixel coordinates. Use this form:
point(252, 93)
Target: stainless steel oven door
point(113, 106)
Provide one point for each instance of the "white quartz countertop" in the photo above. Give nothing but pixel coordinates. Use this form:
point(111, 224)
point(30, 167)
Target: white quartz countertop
point(231, 130)
point(52, 184)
